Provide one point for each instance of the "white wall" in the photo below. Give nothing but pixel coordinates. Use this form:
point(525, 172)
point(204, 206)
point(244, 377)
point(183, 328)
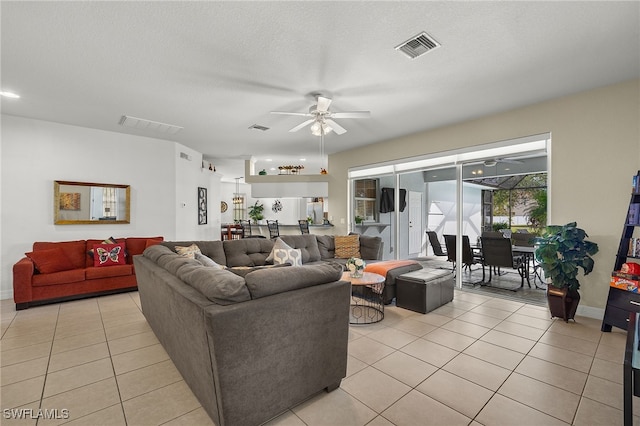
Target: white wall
point(35, 153)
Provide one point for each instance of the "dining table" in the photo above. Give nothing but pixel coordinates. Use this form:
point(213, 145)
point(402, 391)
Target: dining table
point(528, 252)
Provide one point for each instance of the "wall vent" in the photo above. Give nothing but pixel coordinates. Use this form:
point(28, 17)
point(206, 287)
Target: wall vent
point(418, 45)
point(258, 127)
point(185, 156)
point(141, 123)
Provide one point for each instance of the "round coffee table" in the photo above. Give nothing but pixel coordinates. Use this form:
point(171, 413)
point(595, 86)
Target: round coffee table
point(367, 305)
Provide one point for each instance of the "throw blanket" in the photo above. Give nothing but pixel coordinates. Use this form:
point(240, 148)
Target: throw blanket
point(382, 268)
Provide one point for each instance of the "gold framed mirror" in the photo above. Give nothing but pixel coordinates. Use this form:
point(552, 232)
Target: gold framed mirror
point(84, 203)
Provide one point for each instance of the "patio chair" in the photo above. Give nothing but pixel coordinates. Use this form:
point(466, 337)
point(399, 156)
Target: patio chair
point(498, 252)
point(468, 257)
point(523, 239)
point(435, 244)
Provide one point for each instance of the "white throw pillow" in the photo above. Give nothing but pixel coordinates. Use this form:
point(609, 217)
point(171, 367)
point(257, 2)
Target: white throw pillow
point(207, 261)
point(292, 256)
point(278, 244)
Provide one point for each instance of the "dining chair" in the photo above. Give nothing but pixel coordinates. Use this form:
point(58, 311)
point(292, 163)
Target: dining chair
point(435, 244)
point(498, 252)
point(246, 228)
point(304, 226)
point(523, 239)
point(274, 230)
point(468, 257)
point(492, 234)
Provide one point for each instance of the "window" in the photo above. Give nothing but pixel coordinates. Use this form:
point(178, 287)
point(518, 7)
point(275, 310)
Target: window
point(365, 196)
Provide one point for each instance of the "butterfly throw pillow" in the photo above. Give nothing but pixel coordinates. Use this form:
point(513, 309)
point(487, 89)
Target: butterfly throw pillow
point(108, 254)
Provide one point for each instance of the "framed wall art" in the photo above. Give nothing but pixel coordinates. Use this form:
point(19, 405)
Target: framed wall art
point(202, 206)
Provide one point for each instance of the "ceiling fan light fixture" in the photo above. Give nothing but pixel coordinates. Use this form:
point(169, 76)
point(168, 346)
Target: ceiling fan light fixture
point(316, 128)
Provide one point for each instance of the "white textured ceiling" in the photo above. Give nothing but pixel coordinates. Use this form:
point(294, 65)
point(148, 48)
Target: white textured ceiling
point(216, 68)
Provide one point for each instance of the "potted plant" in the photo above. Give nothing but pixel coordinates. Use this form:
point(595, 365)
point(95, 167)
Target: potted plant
point(561, 251)
point(256, 212)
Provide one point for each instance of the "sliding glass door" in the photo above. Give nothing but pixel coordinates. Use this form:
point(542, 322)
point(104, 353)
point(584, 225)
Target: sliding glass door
point(453, 194)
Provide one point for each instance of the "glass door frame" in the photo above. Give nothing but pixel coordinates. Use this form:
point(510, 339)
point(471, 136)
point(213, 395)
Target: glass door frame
point(535, 144)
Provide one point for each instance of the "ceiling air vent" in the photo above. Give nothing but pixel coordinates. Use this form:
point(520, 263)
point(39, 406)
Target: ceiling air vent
point(141, 123)
point(258, 127)
point(418, 45)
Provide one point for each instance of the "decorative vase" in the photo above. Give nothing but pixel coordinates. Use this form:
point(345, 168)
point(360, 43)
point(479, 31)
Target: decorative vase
point(356, 267)
point(562, 302)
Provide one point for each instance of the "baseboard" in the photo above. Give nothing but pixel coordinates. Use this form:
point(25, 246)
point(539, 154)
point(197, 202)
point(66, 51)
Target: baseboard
point(588, 311)
point(6, 294)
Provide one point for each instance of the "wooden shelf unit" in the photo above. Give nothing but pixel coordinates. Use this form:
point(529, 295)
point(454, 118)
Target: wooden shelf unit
point(620, 303)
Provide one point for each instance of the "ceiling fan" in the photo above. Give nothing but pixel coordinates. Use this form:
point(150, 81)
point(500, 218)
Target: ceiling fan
point(494, 161)
point(321, 120)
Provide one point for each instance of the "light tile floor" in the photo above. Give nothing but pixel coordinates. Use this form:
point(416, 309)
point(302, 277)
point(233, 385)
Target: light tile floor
point(479, 360)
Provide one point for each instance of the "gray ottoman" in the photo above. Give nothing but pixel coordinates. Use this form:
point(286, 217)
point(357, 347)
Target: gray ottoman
point(424, 290)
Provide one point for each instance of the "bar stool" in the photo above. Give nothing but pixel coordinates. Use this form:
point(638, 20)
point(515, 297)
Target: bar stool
point(304, 226)
point(274, 231)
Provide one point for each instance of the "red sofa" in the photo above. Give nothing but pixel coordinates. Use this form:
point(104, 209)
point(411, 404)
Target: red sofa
point(59, 271)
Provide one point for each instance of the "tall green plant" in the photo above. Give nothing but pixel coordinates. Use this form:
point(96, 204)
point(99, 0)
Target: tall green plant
point(537, 213)
point(256, 212)
point(562, 250)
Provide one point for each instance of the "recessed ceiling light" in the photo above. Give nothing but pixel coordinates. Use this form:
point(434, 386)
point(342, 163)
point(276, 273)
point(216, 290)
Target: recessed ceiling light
point(268, 159)
point(273, 168)
point(9, 95)
point(303, 159)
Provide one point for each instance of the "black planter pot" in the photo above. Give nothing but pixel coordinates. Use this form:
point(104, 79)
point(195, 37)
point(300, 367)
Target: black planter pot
point(562, 302)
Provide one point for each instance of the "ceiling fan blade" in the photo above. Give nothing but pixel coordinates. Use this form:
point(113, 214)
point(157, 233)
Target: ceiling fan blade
point(323, 103)
point(506, 160)
point(351, 114)
point(300, 114)
point(336, 127)
point(301, 125)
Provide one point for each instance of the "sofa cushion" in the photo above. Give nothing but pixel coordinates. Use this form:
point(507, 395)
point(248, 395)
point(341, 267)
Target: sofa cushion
point(218, 285)
point(370, 247)
point(137, 245)
point(173, 261)
point(112, 271)
point(326, 246)
point(211, 249)
point(242, 271)
point(347, 246)
point(287, 256)
point(247, 251)
point(91, 243)
point(75, 250)
point(189, 251)
point(50, 260)
point(62, 277)
point(155, 252)
point(108, 255)
point(207, 261)
point(266, 282)
point(308, 245)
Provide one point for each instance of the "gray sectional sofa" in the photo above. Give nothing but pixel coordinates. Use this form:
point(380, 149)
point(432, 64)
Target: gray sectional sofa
point(250, 340)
